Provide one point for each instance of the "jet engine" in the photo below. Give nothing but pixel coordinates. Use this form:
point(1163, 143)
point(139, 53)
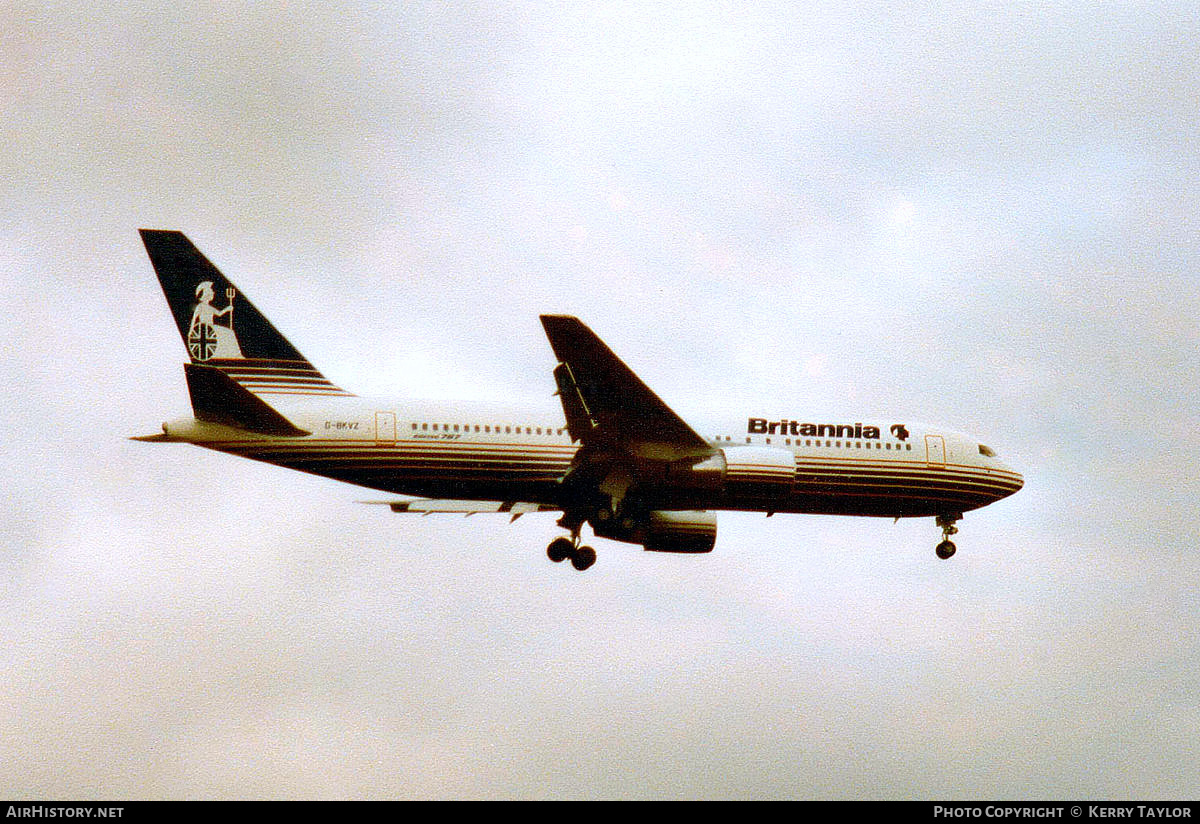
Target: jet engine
point(688, 531)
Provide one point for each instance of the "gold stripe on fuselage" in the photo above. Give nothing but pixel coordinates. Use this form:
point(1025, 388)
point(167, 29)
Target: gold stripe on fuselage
point(391, 465)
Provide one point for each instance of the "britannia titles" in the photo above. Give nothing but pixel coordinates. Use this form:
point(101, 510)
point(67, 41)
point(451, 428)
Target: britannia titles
point(857, 431)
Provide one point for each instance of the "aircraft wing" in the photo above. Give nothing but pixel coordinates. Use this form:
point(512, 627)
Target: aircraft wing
point(608, 408)
point(441, 506)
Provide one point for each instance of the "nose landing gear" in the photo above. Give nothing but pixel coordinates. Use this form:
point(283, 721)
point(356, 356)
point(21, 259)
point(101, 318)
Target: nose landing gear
point(946, 548)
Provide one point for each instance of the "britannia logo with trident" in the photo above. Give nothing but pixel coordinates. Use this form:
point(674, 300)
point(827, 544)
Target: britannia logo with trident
point(210, 334)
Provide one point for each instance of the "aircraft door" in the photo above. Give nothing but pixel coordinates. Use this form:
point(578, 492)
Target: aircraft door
point(935, 450)
point(385, 427)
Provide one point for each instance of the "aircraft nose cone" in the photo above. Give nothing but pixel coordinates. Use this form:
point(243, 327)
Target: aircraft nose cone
point(1014, 481)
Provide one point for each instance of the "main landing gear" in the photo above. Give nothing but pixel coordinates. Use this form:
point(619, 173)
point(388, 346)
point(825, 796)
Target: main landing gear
point(946, 548)
point(561, 549)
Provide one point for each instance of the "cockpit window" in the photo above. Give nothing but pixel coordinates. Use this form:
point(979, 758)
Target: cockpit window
point(987, 451)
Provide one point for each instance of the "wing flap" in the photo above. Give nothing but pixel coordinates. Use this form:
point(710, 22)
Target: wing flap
point(442, 506)
point(580, 422)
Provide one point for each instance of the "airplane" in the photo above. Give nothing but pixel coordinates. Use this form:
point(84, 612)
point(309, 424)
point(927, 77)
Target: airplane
point(615, 456)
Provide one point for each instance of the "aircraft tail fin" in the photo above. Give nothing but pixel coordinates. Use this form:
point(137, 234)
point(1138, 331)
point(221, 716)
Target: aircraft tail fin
point(222, 329)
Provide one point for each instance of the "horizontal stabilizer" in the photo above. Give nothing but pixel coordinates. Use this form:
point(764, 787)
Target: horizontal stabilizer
point(217, 398)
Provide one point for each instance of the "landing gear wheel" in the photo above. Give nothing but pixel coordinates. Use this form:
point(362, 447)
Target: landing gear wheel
point(583, 557)
point(946, 548)
point(560, 549)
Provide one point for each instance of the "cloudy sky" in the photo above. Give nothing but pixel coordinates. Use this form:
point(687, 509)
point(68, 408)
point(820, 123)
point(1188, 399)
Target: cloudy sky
point(982, 215)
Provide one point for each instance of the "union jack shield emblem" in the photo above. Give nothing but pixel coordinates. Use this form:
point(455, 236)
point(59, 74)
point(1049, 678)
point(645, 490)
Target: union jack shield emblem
point(202, 341)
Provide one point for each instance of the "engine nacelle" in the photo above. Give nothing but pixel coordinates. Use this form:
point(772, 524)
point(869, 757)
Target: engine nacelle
point(690, 531)
point(686, 531)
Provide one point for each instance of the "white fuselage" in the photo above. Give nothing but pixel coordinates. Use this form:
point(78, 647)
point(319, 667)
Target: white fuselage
point(477, 452)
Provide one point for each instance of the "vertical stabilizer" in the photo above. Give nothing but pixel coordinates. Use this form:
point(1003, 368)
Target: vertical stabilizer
point(221, 328)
